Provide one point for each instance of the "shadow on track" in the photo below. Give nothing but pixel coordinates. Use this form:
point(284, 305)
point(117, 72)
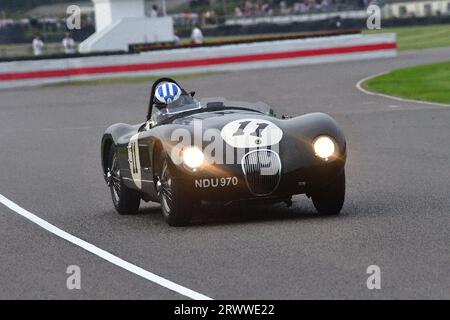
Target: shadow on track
point(218, 215)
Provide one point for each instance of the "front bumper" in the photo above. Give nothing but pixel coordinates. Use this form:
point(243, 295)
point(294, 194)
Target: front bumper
point(227, 183)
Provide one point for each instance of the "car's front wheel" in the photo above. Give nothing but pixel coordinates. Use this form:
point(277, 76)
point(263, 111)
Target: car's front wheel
point(126, 200)
point(176, 206)
point(330, 199)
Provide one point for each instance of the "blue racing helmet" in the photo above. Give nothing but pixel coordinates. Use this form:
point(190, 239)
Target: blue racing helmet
point(167, 92)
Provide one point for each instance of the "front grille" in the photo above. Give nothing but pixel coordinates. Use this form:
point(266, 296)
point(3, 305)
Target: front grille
point(262, 170)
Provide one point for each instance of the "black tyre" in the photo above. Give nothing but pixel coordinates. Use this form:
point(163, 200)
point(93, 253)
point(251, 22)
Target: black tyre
point(176, 206)
point(126, 200)
point(330, 199)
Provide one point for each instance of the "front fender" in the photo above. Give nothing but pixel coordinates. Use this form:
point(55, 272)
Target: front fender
point(300, 164)
point(118, 134)
point(296, 147)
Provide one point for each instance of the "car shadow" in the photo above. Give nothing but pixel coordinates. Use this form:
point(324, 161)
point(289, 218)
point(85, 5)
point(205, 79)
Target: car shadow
point(154, 209)
point(251, 214)
point(219, 215)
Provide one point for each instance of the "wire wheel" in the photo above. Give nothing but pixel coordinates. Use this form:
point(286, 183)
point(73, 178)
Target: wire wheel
point(176, 203)
point(166, 189)
point(125, 199)
point(115, 178)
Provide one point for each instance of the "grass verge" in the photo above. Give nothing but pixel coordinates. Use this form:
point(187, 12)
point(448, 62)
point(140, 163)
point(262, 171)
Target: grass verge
point(429, 82)
point(415, 38)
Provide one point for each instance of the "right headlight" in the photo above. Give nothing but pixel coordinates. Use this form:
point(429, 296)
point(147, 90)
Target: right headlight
point(324, 147)
point(193, 157)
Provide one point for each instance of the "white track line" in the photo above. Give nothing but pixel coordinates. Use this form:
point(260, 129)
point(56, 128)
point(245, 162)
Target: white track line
point(360, 88)
point(102, 253)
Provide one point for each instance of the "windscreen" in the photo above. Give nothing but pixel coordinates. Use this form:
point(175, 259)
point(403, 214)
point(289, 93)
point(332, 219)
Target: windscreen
point(184, 103)
point(257, 106)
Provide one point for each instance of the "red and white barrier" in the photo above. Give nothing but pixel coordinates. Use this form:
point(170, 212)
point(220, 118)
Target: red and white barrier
point(273, 54)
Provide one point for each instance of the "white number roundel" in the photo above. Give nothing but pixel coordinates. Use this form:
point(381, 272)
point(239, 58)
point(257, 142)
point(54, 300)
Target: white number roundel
point(251, 133)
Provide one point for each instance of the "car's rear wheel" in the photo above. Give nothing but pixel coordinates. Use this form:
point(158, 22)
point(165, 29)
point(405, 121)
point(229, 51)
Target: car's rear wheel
point(330, 199)
point(176, 206)
point(126, 200)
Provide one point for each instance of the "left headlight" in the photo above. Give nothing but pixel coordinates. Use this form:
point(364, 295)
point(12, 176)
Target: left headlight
point(193, 157)
point(324, 147)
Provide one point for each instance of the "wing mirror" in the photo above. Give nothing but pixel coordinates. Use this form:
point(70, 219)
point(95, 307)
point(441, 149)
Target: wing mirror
point(192, 93)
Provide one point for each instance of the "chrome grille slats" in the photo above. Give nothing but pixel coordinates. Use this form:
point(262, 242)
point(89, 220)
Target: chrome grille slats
point(262, 171)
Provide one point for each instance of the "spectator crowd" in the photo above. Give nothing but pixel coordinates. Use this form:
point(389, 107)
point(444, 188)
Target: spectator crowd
point(256, 8)
point(68, 45)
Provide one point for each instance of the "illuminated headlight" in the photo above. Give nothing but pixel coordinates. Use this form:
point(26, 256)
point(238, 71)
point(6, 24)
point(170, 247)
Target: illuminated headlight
point(193, 157)
point(324, 147)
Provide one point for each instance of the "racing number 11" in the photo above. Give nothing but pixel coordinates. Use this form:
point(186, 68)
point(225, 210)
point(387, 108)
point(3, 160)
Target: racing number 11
point(257, 133)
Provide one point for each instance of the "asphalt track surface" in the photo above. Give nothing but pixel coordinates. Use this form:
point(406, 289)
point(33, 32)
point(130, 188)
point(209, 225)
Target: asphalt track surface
point(396, 213)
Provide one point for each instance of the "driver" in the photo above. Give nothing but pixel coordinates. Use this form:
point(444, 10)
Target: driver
point(169, 99)
point(165, 94)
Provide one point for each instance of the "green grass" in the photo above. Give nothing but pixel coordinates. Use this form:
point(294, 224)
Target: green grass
point(21, 50)
point(423, 37)
point(425, 83)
